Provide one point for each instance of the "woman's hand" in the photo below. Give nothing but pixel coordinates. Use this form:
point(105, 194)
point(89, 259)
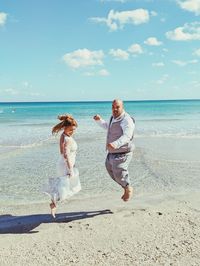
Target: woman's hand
point(71, 172)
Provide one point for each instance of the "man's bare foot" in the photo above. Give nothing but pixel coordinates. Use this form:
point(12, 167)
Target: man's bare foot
point(122, 197)
point(53, 209)
point(128, 193)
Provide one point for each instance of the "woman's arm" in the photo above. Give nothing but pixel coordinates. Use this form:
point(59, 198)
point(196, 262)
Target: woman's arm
point(62, 138)
point(67, 157)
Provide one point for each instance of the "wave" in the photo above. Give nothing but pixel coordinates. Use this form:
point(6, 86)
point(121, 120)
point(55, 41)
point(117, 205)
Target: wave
point(160, 119)
point(168, 135)
point(30, 145)
point(33, 124)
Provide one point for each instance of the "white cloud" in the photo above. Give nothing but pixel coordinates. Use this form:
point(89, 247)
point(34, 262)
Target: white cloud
point(20, 92)
point(153, 13)
point(88, 74)
point(195, 61)
point(190, 5)
point(158, 64)
point(190, 31)
point(195, 83)
point(163, 79)
point(152, 41)
point(25, 84)
point(165, 50)
point(119, 54)
point(37, 94)
point(179, 62)
point(197, 52)
point(184, 63)
point(163, 20)
point(83, 58)
point(103, 72)
point(192, 72)
point(3, 17)
point(117, 20)
point(11, 91)
point(135, 49)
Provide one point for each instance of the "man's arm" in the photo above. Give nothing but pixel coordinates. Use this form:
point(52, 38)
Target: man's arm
point(102, 123)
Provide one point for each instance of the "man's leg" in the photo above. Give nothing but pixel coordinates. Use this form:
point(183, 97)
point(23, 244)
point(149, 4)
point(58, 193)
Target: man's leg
point(120, 170)
point(108, 164)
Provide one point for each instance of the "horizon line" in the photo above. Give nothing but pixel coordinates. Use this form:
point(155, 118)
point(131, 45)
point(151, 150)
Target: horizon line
point(99, 101)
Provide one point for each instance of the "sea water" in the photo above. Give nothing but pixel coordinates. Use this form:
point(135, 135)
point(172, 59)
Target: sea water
point(166, 159)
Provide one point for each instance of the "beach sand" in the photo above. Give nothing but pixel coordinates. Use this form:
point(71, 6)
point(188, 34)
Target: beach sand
point(103, 231)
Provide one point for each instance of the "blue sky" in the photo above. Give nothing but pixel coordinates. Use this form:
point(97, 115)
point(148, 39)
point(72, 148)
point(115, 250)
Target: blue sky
point(77, 50)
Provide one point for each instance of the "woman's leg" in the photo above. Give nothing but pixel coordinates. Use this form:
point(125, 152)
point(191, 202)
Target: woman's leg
point(53, 208)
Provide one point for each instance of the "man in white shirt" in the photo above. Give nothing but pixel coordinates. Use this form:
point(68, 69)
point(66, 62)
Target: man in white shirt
point(120, 130)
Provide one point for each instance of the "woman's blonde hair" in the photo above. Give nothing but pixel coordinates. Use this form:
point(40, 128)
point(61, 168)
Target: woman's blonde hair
point(67, 120)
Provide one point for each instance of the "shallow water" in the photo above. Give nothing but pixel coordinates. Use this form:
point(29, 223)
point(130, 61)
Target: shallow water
point(166, 159)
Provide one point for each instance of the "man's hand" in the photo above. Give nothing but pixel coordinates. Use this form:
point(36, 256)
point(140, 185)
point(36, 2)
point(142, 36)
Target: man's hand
point(97, 117)
point(110, 147)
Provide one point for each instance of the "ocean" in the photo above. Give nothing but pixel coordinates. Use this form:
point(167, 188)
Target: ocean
point(166, 159)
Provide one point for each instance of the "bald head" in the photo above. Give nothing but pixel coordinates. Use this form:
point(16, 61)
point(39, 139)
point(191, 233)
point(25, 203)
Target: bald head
point(118, 101)
point(117, 107)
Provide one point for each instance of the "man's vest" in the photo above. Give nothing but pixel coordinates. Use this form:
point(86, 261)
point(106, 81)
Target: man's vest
point(115, 132)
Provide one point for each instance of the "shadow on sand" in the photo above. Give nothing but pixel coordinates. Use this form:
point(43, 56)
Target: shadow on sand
point(25, 224)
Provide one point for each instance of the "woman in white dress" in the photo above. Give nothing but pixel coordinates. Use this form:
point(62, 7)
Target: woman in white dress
point(67, 182)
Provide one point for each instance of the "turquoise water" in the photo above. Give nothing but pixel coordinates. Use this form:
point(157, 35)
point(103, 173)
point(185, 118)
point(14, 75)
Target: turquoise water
point(27, 123)
point(167, 134)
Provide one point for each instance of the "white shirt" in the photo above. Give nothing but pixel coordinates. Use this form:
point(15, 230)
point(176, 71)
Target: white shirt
point(127, 126)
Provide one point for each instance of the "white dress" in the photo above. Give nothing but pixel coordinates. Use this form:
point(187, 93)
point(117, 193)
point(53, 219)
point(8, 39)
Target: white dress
point(64, 186)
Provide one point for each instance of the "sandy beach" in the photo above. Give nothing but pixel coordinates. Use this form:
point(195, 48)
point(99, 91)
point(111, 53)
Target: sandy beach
point(103, 231)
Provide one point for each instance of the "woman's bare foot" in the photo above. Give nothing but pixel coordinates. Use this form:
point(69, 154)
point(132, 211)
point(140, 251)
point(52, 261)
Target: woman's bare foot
point(53, 209)
point(128, 193)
